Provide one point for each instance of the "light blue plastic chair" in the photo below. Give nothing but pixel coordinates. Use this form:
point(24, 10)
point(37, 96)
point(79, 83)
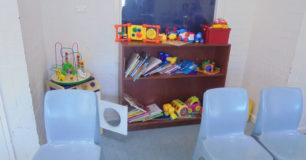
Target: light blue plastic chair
point(221, 135)
point(72, 126)
point(277, 120)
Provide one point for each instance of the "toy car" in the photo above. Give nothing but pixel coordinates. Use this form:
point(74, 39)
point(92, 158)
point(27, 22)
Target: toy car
point(194, 104)
point(181, 108)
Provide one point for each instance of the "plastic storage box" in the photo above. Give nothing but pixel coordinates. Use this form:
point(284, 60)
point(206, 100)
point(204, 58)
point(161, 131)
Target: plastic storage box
point(216, 35)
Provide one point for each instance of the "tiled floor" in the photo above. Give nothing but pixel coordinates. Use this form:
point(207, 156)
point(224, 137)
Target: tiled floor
point(174, 143)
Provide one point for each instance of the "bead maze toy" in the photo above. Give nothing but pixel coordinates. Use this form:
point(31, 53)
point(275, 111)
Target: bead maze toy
point(145, 33)
point(71, 71)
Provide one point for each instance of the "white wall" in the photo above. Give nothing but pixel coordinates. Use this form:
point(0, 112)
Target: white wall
point(297, 76)
point(14, 83)
point(240, 15)
point(31, 26)
point(276, 28)
point(93, 29)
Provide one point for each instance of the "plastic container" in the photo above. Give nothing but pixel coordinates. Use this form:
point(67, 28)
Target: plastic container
point(216, 35)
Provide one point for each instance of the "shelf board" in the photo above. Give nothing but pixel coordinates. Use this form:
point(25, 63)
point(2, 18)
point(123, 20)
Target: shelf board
point(141, 44)
point(162, 123)
point(175, 76)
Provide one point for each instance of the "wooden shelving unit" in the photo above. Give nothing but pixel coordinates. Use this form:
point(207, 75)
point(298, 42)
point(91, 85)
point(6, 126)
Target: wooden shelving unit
point(162, 89)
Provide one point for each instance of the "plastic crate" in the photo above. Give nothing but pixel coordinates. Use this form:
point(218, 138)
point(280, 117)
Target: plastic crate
point(216, 35)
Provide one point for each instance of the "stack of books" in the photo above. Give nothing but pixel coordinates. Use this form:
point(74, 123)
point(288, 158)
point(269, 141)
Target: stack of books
point(140, 113)
point(139, 65)
point(145, 66)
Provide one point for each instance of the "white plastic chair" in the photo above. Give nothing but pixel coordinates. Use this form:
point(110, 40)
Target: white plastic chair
point(72, 126)
point(278, 117)
point(221, 135)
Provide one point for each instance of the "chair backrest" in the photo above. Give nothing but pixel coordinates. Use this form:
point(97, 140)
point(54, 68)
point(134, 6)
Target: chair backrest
point(70, 115)
point(225, 112)
point(280, 109)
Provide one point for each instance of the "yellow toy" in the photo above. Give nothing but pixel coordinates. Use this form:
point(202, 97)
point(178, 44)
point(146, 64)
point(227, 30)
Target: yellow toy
point(169, 110)
point(61, 77)
point(137, 32)
point(163, 37)
point(181, 108)
point(172, 36)
point(145, 33)
point(171, 60)
point(250, 109)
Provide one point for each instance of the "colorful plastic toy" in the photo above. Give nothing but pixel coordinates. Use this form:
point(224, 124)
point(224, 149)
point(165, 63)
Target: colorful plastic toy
point(136, 32)
point(194, 104)
point(199, 38)
point(152, 33)
point(208, 66)
point(181, 108)
point(220, 23)
point(163, 57)
point(122, 32)
point(171, 60)
point(71, 71)
point(169, 110)
point(145, 33)
point(162, 37)
point(172, 36)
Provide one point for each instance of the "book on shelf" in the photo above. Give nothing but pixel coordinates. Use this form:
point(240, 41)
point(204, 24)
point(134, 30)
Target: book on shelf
point(152, 62)
point(140, 72)
point(142, 60)
point(133, 103)
point(154, 112)
point(131, 64)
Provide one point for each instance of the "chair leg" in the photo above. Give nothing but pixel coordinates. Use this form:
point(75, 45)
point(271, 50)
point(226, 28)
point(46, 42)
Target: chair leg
point(199, 152)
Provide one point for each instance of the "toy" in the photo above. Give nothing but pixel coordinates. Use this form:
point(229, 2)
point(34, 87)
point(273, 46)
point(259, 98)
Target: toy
point(171, 60)
point(71, 71)
point(152, 33)
point(163, 57)
point(208, 66)
point(172, 36)
point(136, 32)
point(193, 104)
point(220, 23)
point(122, 32)
point(198, 38)
point(162, 37)
point(145, 33)
point(169, 110)
point(185, 36)
point(181, 108)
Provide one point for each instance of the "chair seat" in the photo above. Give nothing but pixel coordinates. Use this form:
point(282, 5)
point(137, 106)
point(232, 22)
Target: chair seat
point(66, 151)
point(238, 147)
point(283, 146)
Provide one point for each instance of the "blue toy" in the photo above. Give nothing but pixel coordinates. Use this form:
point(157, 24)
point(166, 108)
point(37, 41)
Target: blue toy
point(163, 57)
point(198, 38)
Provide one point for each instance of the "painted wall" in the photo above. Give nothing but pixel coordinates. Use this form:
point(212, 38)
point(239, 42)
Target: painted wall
point(273, 43)
point(14, 84)
point(240, 15)
point(297, 75)
point(31, 27)
point(93, 29)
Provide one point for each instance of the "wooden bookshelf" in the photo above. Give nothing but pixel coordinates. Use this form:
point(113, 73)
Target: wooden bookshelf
point(162, 89)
